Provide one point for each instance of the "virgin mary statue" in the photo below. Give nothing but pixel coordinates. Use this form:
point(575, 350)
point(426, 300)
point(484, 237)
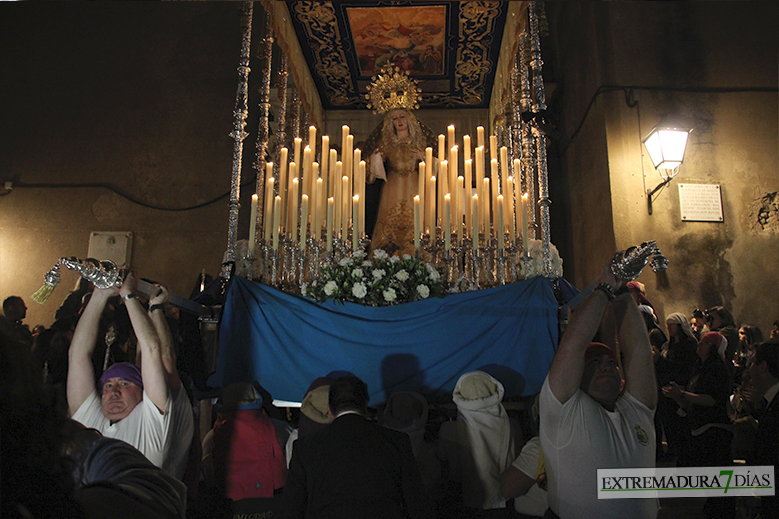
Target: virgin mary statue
point(394, 150)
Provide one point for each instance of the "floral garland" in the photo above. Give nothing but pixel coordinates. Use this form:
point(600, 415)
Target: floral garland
point(535, 265)
point(385, 280)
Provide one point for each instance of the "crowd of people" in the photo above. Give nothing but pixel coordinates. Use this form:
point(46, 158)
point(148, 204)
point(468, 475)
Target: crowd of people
point(99, 420)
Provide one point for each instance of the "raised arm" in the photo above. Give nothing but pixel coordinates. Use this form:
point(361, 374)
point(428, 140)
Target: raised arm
point(154, 379)
point(636, 351)
point(81, 375)
point(565, 375)
point(167, 349)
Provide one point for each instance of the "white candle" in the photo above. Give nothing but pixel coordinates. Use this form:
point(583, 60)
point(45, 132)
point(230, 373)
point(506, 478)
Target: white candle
point(485, 206)
point(429, 161)
point(312, 141)
point(441, 148)
point(283, 160)
point(500, 229)
point(458, 212)
point(431, 221)
point(345, 210)
point(338, 199)
point(330, 205)
point(344, 134)
point(319, 209)
point(494, 186)
point(324, 157)
point(475, 221)
point(417, 214)
point(298, 147)
point(361, 216)
point(268, 210)
point(452, 169)
point(508, 197)
point(468, 192)
point(293, 206)
point(493, 147)
point(480, 136)
point(276, 221)
point(466, 147)
point(355, 217)
point(331, 176)
point(504, 170)
point(479, 167)
point(443, 188)
point(450, 136)
point(447, 219)
point(252, 225)
point(305, 177)
point(303, 222)
point(357, 156)
point(290, 218)
point(421, 181)
point(456, 197)
point(348, 160)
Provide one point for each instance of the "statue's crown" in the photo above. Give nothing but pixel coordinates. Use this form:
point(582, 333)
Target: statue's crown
point(392, 89)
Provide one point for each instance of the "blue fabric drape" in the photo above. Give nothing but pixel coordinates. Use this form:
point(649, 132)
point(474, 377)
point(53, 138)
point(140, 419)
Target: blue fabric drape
point(286, 341)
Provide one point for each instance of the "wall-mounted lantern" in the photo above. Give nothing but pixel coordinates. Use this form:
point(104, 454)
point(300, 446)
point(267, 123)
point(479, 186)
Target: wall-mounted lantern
point(666, 145)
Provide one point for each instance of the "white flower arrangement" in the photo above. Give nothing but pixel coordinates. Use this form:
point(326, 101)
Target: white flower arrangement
point(535, 266)
point(384, 280)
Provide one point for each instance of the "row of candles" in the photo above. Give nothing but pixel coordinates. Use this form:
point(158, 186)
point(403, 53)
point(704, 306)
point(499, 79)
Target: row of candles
point(309, 196)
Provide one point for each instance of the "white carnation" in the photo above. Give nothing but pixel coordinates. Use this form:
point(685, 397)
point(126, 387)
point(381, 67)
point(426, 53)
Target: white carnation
point(345, 262)
point(379, 273)
point(358, 254)
point(367, 263)
point(330, 287)
point(406, 257)
point(402, 275)
point(389, 295)
point(394, 259)
point(434, 275)
point(380, 254)
point(359, 291)
point(423, 291)
point(357, 273)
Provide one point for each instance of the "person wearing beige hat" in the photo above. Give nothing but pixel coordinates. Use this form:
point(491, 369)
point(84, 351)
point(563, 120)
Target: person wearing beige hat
point(594, 417)
point(313, 412)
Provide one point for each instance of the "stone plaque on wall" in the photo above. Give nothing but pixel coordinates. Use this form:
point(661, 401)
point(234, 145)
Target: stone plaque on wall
point(114, 246)
point(700, 202)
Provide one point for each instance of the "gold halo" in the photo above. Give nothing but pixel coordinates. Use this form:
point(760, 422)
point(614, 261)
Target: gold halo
point(392, 89)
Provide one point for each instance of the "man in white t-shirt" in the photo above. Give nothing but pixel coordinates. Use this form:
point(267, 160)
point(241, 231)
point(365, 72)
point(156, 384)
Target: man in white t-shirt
point(145, 407)
point(587, 421)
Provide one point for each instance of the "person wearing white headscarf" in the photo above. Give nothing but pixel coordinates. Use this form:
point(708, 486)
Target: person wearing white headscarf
point(479, 446)
point(676, 364)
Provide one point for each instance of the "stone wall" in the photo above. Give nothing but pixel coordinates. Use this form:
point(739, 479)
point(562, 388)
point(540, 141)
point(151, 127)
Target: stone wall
point(712, 65)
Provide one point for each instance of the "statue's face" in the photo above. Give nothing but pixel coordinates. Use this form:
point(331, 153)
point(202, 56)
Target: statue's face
point(399, 121)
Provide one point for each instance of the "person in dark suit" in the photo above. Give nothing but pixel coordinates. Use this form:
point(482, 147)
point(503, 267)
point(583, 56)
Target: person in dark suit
point(765, 379)
point(353, 467)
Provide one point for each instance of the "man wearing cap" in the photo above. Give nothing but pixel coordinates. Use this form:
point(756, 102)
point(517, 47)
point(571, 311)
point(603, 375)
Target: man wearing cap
point(145, 407)
point(587, 421)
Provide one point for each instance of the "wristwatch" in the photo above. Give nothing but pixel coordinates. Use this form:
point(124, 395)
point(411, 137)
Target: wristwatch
point(606, 289)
